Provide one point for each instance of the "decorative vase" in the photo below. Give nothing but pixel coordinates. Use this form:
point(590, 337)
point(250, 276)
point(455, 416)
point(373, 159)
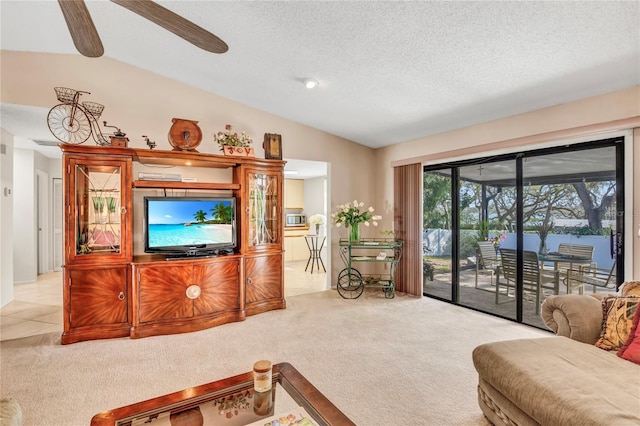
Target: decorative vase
point(317, 229)
point(238, 151)
point(354, 233)
point(543, 247)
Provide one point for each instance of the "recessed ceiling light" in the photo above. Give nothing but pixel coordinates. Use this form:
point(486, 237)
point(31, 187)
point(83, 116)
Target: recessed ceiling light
point(310, 83)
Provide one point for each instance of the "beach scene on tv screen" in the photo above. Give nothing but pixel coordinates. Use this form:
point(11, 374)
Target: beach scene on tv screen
point(189, 222)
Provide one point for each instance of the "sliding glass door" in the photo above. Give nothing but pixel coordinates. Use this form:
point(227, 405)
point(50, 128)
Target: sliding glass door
point(487, 205)
point(437, 236)
point(503, 233)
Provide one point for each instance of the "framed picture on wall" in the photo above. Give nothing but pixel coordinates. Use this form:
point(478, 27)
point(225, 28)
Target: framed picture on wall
point(272, 146)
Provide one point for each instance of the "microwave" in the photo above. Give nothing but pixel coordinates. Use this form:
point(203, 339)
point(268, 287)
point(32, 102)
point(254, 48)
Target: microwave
point(295, 219)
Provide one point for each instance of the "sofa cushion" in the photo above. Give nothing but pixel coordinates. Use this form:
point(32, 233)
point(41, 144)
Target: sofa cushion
point(558, 381)
point(575, 316)
point(616, 324)
point(498, 409)
point(631, 348)
point(631, 288)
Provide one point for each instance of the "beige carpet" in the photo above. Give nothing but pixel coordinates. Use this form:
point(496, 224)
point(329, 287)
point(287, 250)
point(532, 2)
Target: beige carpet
point(400, 361)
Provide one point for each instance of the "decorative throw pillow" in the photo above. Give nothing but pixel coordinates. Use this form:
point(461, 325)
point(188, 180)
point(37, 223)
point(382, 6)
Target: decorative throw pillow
point(617, 317)
point(631, 348)
point(631, 288)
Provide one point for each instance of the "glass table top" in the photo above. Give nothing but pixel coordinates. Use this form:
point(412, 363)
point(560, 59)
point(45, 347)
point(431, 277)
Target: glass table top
point(233, 402)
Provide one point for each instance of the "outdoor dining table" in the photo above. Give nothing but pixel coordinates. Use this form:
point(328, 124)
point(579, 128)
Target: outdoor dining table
point(557, 258)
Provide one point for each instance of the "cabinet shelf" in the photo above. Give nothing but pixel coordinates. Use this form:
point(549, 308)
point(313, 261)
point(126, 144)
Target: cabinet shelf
point(372, 259)
point(371, 243)
point(158, 184)
point(197, 159)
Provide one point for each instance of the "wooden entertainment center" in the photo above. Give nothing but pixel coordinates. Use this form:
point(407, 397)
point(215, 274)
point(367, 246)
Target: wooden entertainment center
point(109, 292)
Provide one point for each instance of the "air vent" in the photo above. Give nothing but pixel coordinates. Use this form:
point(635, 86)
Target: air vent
point(46, 143)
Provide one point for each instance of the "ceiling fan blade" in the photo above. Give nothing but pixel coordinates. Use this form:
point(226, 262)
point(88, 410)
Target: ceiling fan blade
point(178, 25)
point(83, 32)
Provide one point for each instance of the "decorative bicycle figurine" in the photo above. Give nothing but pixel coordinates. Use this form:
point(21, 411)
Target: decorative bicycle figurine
point(72, 121)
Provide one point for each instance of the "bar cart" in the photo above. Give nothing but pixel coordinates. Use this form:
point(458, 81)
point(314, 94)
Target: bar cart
point(351, 282)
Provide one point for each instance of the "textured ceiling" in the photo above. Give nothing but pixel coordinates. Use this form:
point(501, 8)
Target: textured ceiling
point(388, 71)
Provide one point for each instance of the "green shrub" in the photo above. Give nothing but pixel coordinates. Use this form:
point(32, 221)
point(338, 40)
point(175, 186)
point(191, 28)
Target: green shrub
point(468, 244)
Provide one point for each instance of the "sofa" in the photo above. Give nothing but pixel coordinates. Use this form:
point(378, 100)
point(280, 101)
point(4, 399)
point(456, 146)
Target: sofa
point(564, 379)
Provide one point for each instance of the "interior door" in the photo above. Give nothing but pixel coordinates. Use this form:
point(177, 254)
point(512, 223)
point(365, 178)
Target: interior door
point(57, 224)
point(42, 221)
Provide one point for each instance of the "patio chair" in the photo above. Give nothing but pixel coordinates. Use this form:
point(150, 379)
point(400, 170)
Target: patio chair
point(534, 279)
point(597, 278)
point(487, 261)
point(578, 250)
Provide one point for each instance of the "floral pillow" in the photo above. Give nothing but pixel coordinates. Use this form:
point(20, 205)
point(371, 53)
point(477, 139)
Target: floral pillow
point(631, 348)
point(617, 313)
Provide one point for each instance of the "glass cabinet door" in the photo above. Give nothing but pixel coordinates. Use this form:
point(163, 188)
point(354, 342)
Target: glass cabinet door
point(264, 214)
point(97, 209)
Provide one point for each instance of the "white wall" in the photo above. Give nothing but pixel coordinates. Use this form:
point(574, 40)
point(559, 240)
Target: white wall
point(314, 196)
point(6, 218)
point(25, 268)
point(314, 203)
point(54, 169)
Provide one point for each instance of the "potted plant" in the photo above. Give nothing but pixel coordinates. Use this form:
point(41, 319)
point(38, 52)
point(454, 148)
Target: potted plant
point(232, 143)
point(427, 270)
point(350, 216)
point(543, 229)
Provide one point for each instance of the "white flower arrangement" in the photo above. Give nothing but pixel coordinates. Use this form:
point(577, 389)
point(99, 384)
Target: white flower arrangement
point(317, 219)
point(349, 215)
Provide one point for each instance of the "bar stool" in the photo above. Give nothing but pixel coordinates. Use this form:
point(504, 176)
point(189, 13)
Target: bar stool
point(315, 244)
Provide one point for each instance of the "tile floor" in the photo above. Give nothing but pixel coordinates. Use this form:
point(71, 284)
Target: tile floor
point(37, 307)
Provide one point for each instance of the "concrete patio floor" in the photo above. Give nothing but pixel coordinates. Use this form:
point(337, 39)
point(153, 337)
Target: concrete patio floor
point(483, 298)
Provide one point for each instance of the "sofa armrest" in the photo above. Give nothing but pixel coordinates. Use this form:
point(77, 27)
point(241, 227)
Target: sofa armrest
point(578, 317)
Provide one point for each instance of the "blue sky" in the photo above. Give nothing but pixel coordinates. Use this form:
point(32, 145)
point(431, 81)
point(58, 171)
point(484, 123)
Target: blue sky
point(170, 211)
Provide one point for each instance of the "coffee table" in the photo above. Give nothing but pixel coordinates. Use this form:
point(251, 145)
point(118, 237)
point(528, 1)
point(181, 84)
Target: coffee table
point(230, 402)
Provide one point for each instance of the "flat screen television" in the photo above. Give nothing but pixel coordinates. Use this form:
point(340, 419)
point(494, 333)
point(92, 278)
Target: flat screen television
point(189, 226)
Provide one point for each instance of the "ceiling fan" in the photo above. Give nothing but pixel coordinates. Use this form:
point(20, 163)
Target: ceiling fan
point(86, 39)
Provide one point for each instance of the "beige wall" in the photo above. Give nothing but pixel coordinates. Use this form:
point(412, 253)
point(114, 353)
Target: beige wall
point(140, 102)
point(143, 103)
point(594, 116)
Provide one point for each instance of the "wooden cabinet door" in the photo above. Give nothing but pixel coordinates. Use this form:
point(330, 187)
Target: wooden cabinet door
point(162, 292)
point(262, 210)
point(96, 296)
point(294, 194)
point(98, 207)
point(300, 249)
point(264, 279)
point(219, 283)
